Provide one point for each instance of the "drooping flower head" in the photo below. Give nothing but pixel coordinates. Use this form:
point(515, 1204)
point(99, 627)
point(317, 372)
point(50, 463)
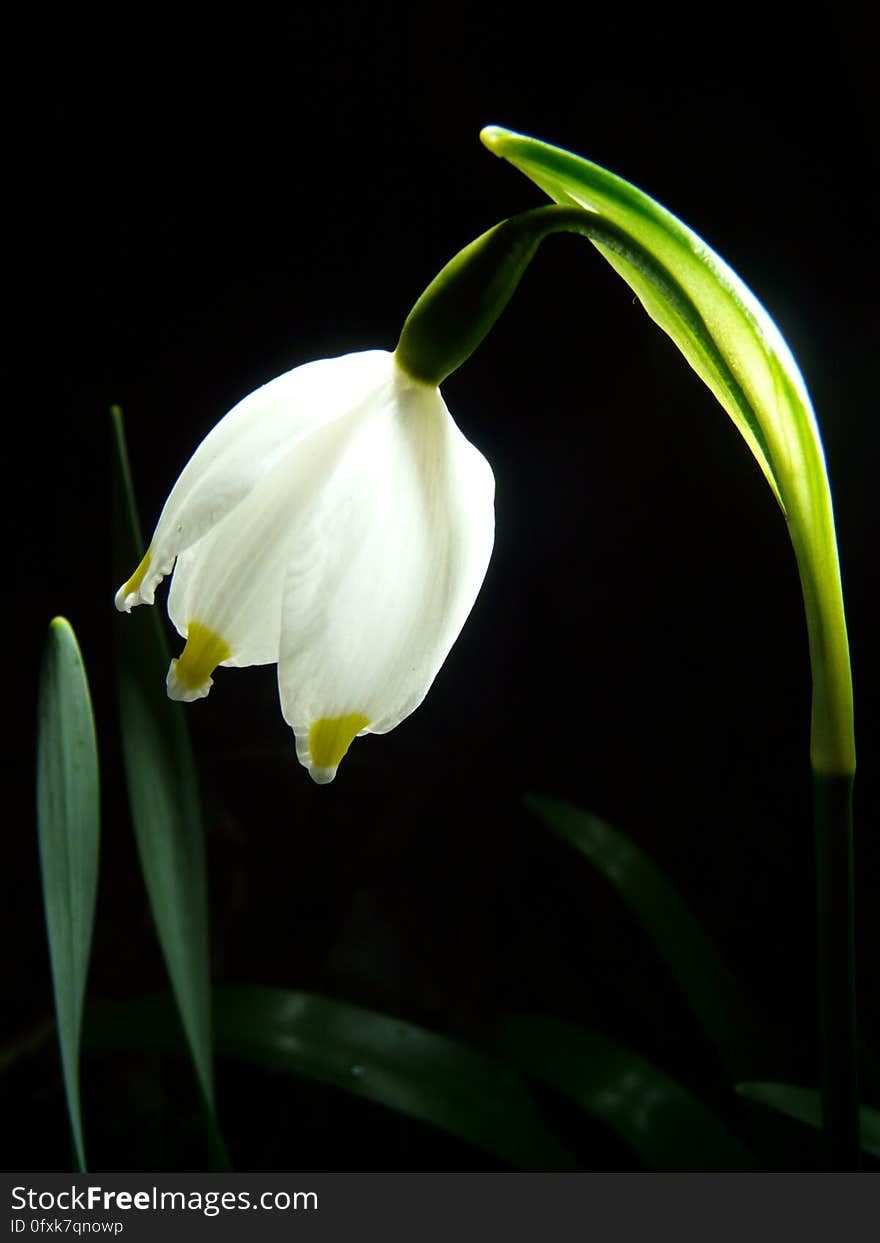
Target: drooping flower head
point(335, 522)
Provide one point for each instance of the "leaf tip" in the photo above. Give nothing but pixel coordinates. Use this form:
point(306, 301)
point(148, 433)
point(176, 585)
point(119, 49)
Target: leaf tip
point(60, 626)
point(492, 137)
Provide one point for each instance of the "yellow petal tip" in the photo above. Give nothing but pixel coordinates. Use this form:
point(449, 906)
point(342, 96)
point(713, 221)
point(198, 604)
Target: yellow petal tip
point(189, 677)
point(130, 594)
point(329, 739)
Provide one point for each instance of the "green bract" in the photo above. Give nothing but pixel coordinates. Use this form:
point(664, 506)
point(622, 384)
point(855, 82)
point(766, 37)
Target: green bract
point(737, 350)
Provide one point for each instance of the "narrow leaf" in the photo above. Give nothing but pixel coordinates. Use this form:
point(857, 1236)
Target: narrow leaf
point(805, 1105)
point(163, 792)
point(737, 350)
point(375, 1056)
point(68, 826)
point(661, 1121)
point(711, 991)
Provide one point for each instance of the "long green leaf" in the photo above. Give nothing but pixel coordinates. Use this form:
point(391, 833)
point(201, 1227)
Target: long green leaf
point(737, 350)
point(68, 815)
point(376, 1056)
point(661, 1121)
point(805, 1105)
point(163, 792)
point(712, 993)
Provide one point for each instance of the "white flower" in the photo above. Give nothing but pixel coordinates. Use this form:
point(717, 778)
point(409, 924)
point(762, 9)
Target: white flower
point(335, 522)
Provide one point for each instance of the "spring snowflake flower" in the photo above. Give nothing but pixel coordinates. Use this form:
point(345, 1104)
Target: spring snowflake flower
point(336, 523)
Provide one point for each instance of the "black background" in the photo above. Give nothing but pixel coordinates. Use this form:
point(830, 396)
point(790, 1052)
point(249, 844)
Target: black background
point(198, 204)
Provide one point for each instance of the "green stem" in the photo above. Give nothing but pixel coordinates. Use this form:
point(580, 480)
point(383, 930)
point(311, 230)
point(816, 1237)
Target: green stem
point(832, 801)
point(462, 303)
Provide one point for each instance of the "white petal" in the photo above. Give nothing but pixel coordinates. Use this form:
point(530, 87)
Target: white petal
point(382, 575)
point(243, 448)
point(229, 585)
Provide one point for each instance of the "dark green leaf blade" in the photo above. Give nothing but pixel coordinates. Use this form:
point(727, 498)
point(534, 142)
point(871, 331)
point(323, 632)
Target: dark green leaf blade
point(805, 1105)
point(397, 1064)
point(666, 1125)
point(163, 791)
point(383, 1059)
point(711, 991)
point(68, 819)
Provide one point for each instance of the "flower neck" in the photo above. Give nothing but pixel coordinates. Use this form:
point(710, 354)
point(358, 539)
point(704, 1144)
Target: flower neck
point(461, 304)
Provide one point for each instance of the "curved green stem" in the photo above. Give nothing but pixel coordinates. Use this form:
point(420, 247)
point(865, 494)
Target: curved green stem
point(768, 403)
point(463, 302)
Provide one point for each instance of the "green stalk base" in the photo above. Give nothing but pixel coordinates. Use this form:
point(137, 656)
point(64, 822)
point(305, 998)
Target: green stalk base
point(832, 802)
